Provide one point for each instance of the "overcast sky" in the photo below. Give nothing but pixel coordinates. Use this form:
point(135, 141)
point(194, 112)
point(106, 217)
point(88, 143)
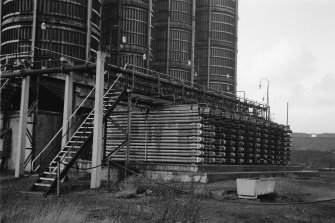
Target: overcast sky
point(292, 43)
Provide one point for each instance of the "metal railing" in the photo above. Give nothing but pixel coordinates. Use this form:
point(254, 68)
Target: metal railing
point(185, 88)
point(58, 137)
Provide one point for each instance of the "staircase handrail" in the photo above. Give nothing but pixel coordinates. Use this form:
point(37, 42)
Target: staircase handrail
point(63, 126)
point(66, 123)
point(92, 111)
point(4, 84)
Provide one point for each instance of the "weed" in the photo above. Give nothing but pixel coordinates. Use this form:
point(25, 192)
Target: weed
point(41, 212)
point(132, 186)
point(178, 209)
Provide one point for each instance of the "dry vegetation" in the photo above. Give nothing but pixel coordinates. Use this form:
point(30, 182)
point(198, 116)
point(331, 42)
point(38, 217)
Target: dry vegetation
point(140, 200)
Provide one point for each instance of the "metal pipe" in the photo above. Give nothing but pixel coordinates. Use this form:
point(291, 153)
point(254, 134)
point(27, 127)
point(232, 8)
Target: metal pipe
point(128, 129)
point(88, 30)
point(209, 41)
point(33, 31)
point(63, 69)
point(193, 42)
point(0, 26)
point(168, 39)
point(149, 35)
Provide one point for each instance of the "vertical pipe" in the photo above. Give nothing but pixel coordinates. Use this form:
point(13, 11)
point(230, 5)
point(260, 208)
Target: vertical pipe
point(209, 40)
point(287, 113)
point(33, 32)
point(105, 139)
point(168, 39)
point(128, 130)
point(236, 44)
point(88, 29)
point(98, 122)
point(146, 136)
point(21, 144)
point(0, 24)
point(100, 27)
point(118, 39)
point(37, 91)
point(108, 176)
point(193, 42)
point(268, 100)
point(58, 178)
point(149, 35)
point(67, 108)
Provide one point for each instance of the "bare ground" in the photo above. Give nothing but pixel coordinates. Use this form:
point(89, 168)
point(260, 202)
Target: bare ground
point(145, 201)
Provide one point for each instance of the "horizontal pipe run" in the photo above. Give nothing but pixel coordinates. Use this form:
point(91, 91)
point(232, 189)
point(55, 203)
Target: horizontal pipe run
point(170, 159)
point(64, 69)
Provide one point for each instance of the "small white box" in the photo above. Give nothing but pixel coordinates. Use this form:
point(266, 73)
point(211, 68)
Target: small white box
point(251, 188)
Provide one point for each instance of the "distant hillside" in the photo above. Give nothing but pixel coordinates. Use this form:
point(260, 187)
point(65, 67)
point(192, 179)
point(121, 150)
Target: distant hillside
point(319, 142)
point(313, 159)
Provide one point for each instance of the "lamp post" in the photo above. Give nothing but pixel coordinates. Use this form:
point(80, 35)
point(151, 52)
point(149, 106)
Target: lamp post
point(267, 94)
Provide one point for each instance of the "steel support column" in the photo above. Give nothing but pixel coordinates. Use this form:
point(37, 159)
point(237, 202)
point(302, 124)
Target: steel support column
point(193, 43)
point(149, 36)
point(88, 29)
point(128, 128)
point(21, 144)
point(209, 42)
point(168, 39)
point(98, 124)
point(0, 24)
point(67, 109)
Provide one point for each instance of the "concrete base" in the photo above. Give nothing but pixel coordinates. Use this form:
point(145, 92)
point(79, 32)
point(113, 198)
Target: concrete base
point(211, 177)
point(212, 173)
point(214, 168)
point(203, 174)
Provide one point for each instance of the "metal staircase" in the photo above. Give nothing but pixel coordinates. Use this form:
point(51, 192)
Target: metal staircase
point(76, 144)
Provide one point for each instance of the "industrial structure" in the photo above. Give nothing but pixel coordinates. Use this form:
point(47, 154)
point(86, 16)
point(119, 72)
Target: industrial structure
point(144, 107)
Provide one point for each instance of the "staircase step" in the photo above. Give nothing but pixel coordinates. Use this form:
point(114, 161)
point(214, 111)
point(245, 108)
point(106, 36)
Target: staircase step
point(42, 185)
point(47, 178)
point(66, 151)
point(80, 132)
point(75, 147)
point(77, 141)
point(49, 173)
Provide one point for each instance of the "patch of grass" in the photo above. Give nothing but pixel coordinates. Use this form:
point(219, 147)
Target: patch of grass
point(41, 212)
point(176, 209)
point(132, 186)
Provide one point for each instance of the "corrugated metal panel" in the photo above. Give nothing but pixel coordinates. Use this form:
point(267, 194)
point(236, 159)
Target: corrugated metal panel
point(63, 30)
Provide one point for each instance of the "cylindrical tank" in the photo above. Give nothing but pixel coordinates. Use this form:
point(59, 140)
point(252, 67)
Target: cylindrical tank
point(172, 37)
point(216, 44)
point(50, 29)
point(126, 32)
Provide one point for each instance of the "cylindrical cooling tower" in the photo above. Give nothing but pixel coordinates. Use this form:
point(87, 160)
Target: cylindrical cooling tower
point(172, 38)
point(126, 32)
point(46, 30)
point(216, 44)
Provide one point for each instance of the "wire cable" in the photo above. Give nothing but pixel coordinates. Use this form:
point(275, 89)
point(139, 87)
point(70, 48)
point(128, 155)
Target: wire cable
point(20, 178)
